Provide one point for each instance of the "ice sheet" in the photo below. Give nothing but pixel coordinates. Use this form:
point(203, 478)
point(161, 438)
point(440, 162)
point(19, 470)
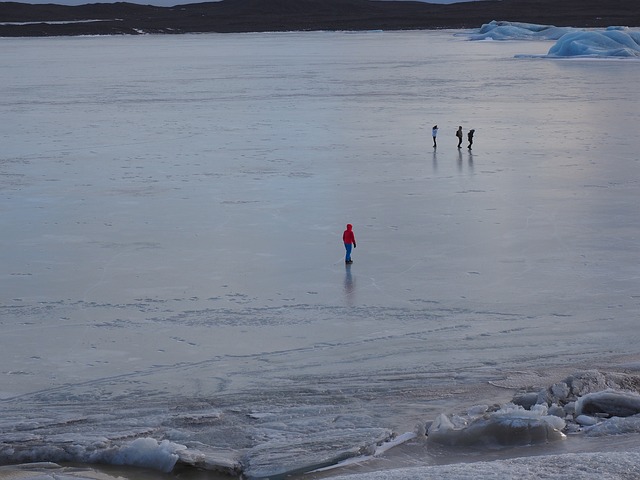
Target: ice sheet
point(172, 210)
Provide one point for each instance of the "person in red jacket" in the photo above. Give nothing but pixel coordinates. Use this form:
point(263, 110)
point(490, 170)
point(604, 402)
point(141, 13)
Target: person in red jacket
point(349, 240)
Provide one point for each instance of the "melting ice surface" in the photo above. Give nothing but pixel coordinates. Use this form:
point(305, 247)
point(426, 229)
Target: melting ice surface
point(173, 291)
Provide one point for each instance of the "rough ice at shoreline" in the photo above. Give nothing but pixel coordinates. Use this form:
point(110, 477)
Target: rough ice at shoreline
point(613, 42)
point(577, 405)
point(144, 452)
point(587, 402)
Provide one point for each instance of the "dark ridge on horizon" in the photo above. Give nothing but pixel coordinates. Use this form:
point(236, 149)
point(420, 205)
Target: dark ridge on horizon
point(304, 15)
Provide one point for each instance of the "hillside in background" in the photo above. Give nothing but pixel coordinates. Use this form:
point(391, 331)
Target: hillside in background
point(20, 19)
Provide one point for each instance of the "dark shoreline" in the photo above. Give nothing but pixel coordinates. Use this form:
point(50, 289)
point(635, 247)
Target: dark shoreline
point(227, 16)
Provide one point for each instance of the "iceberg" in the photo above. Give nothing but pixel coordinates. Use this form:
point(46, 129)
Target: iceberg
point(616, 42)
point(143, 452)
point(510, 425)
point(501, 30)
point(609, 402)
point(612, 42)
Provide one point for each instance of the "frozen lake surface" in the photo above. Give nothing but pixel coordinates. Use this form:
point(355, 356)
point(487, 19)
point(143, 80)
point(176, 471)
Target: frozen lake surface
point(171, 265)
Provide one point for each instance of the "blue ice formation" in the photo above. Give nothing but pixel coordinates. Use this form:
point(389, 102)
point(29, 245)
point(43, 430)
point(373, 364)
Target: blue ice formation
point(612, 42)
point(617, 42)
point(510, 425)
point(496, 30)
point(146, 452)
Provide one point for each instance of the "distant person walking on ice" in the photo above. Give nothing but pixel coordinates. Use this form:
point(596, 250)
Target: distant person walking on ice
point(470, 137)
point(349, 240)
point(434, 134)
point(459, 135)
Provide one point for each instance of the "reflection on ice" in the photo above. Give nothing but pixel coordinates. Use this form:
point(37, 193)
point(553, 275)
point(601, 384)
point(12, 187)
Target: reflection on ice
point(349, 286)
